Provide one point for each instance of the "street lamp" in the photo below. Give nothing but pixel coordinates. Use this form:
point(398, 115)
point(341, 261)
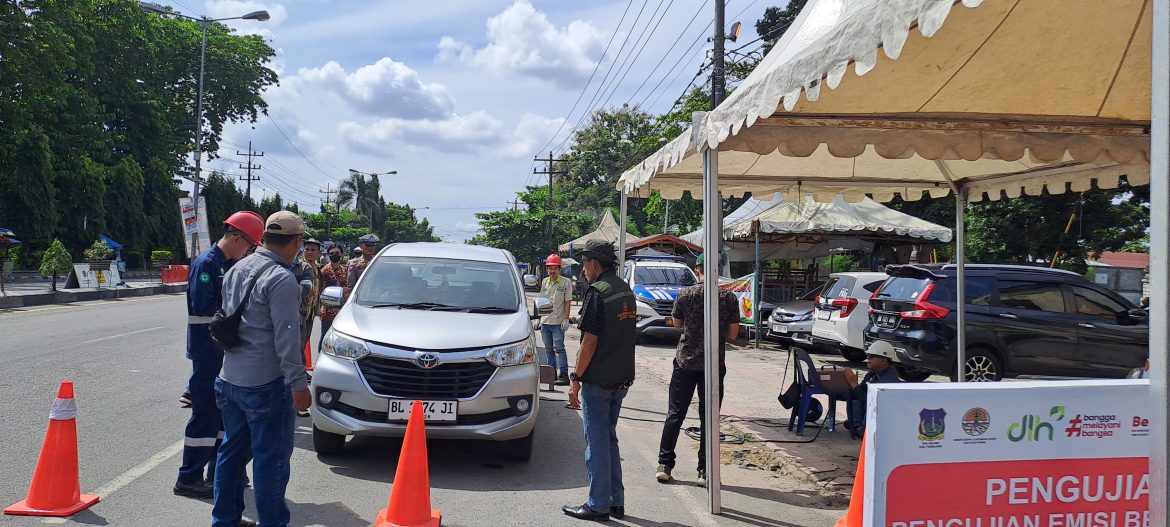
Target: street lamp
point(371, 174)
point(203, 21)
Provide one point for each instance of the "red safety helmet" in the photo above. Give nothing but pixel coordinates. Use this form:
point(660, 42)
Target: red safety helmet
point(249, 223)
point(553, 259)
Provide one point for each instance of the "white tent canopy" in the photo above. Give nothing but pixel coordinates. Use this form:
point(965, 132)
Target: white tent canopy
point(943, 92)
point(607, 231)
point(818, 229)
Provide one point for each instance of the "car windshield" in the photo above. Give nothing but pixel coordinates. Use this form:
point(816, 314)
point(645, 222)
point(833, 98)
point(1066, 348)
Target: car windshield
point(439, 284)
point(813, 293)
point(662, 275)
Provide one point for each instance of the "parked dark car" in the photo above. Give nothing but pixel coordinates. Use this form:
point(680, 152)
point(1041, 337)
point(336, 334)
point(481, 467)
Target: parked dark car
point(1020, 321)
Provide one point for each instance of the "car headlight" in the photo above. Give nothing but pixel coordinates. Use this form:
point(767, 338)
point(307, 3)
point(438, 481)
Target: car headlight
point(514, 354)
point(644, 310)
point(806, 316)
point(343, 347)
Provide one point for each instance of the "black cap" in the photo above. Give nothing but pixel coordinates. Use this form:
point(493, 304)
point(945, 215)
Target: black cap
point(314, 241)
point(599, 250)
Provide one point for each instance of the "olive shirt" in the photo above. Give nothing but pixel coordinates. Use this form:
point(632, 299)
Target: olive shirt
point(688, 310)
point(558, 293)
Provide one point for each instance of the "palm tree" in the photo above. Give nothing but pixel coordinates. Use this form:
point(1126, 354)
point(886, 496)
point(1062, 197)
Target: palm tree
point(363, 194)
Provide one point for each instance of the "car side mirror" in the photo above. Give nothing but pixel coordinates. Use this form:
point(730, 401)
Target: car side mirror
point(530, 281)
point(1135, 315)
point(333, 296)
point(541, 307)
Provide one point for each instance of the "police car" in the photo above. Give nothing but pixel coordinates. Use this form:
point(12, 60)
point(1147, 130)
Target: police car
point(656, 281)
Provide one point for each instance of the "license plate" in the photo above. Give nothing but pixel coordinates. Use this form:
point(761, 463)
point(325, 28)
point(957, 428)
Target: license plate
point(824, 314)
point(432, 410)
point(779, 328)
point(887, 320)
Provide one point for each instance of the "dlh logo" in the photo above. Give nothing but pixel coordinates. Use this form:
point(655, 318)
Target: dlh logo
point(1032, 427)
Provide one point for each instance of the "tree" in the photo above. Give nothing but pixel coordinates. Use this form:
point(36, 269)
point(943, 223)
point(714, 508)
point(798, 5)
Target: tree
point(55, 260)
point(776, 21)
point(522, 232)
point(401, 225)
point(268, 206)
point(223, 198)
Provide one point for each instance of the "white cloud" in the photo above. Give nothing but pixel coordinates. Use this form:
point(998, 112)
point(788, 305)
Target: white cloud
point(477, 132)
point(385, 88)
point(522, 41)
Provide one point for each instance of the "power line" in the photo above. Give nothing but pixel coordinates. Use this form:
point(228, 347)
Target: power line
point(295, 147)
point(591, 75)
point(675, 67)
point(638, 55)
point(662, 61)
point(600, 87)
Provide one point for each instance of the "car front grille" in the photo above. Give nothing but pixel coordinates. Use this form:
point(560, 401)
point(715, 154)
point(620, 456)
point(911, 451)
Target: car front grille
point(405, 379)
point(662, 307)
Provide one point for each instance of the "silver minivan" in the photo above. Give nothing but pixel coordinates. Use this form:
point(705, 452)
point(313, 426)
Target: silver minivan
point(441, 323)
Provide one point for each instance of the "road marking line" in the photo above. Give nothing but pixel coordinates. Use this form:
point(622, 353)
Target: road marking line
point(129, 476)
point(122, 335)
point(88, 303)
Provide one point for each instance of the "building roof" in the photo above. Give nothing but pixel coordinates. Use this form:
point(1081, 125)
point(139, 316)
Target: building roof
point(1125, 260)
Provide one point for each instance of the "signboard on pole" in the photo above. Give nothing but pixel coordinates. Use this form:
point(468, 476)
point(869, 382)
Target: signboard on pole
point(194, 223)
point(744, 289)
point(1027, 454)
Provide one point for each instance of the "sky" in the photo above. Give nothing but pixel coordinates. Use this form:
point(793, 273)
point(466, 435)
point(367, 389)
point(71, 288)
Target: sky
point(457, 96)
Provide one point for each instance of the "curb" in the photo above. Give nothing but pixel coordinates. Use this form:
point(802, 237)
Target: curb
point(65, 297)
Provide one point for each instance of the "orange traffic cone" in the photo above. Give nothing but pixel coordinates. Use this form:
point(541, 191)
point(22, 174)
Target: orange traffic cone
point(56, 485)
point(410, 497)
point(308, 357)
point(854, 517)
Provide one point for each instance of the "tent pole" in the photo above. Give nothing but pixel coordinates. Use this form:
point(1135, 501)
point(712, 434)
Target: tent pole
point(757, 295)
point(961, 281)
point(712, 231)
point(621, 248)
point(1159, 263)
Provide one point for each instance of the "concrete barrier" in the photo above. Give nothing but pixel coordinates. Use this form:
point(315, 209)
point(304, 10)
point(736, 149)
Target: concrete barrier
point(66, 297)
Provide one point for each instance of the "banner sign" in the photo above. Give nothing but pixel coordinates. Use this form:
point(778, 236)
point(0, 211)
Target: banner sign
point(1011, 454)
point(744, 289)
point(194, 223)
point(87, 277)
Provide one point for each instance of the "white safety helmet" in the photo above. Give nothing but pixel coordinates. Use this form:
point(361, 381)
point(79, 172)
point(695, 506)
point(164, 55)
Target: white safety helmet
point(881, 348)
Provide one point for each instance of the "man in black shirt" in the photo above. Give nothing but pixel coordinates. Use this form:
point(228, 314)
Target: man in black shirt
point(602, 375)
point(688, 370)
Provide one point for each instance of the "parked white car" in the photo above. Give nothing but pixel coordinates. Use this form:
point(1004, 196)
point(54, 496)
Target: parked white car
point(841, 313)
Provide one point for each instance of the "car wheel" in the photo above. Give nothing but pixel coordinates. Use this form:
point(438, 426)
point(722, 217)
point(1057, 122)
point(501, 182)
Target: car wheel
point(852, 354)
point(327, 443)
point(981, 366)
point(520, 449)
point(912, 374)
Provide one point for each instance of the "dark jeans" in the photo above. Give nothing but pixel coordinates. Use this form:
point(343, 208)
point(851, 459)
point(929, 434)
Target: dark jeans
point(259, 422)
point(600, 408)
point(683, 384)
point(204, 427)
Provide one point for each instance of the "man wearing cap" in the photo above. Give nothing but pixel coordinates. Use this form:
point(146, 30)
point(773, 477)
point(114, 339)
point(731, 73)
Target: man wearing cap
point(241, 232)
point(602, 375)
point(879, 359)
point(687, 376)
point(304, 267)
point(368, 244)
point(263, 381)
point(559, 292)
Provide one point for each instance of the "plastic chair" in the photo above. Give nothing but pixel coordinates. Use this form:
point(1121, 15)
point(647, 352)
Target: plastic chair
point(810, 385)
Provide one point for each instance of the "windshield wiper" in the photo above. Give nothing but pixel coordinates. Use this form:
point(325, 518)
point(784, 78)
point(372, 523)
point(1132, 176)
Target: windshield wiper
point(491, 309)
point(416, 305)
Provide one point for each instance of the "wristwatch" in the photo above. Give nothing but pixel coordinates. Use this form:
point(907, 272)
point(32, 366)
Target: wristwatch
point(574, 377)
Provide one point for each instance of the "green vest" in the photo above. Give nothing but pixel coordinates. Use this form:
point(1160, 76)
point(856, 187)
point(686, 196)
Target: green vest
point(613, 361)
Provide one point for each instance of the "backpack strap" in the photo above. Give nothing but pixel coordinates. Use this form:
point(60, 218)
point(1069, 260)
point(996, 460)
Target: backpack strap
point(252, 285)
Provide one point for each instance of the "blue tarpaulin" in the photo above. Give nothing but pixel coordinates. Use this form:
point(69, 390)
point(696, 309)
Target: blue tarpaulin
point(111, 243)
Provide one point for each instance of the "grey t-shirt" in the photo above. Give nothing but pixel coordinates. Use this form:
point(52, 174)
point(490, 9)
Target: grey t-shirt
point(270, 329)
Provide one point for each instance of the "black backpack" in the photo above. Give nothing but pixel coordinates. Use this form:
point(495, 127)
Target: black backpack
point(225, 328)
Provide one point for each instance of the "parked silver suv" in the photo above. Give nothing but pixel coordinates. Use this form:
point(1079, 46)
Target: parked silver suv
point(440, 323)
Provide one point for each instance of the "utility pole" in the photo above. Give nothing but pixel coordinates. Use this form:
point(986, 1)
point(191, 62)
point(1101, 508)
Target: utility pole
point(249, 167)
point(329, 192)
point(550, 171)
point(515, 203)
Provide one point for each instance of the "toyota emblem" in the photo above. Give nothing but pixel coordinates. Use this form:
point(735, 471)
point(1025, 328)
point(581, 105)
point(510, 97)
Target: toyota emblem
point(426, 361)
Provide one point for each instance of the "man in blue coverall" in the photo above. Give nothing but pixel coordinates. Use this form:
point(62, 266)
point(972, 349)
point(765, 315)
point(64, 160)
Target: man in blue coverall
point(242, 232)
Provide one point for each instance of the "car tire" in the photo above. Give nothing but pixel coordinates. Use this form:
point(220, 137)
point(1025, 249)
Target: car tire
point(327, 443)
point(852, 354)
point(982, 365)
point(520, 449)
point(912, 374)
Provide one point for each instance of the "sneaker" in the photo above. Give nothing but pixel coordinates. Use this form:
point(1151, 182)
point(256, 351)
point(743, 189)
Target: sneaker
point(702, 479)
point(185, 400)
point(663, 474)
point(199, 490)
point(562, 380)
point(244, 522)
point(302, 413)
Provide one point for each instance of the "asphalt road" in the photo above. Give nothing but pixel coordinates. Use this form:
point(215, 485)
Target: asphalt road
point(126, 360)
